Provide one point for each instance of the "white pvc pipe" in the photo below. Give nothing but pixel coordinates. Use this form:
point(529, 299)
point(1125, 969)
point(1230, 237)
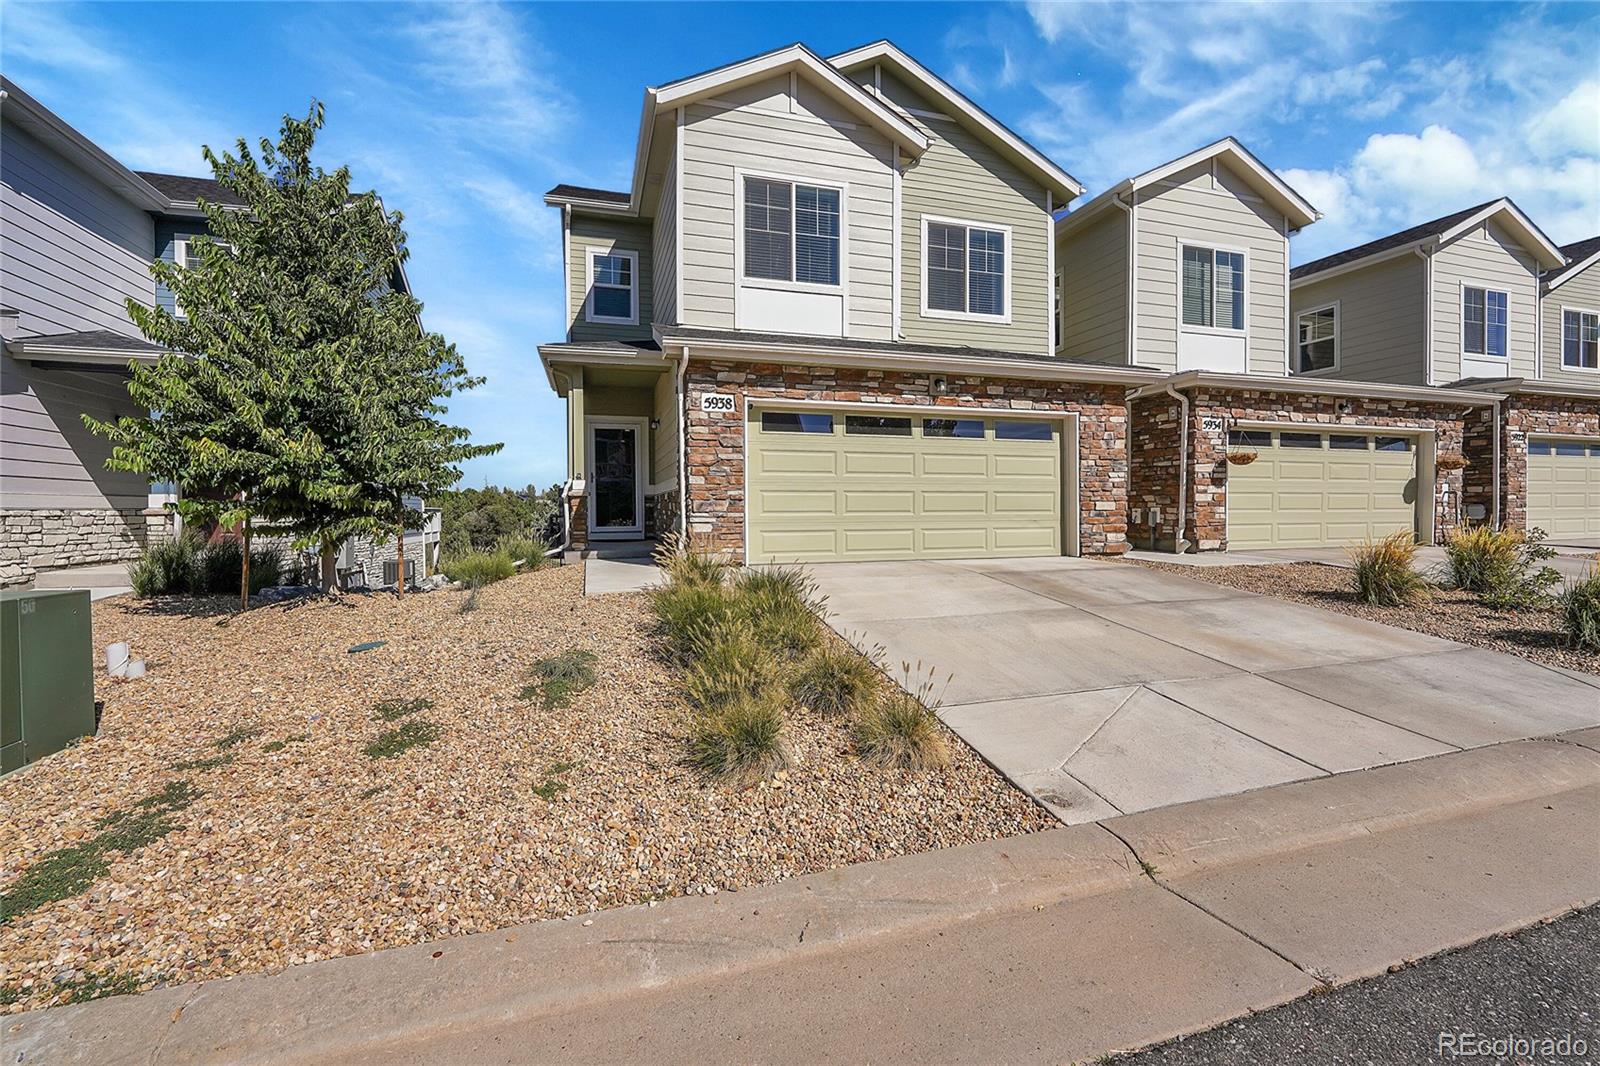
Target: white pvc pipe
point(117, 659)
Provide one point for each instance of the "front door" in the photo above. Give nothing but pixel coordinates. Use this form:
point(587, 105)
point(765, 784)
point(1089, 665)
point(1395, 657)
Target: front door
point(616, 497)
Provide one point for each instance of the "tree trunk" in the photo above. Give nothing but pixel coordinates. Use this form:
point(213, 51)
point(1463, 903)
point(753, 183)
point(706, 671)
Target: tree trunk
point(400, 562)
point(330, 574)
point(244, 569)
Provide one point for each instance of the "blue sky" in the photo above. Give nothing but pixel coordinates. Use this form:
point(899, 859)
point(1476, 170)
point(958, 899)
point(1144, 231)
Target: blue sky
point(463, 115)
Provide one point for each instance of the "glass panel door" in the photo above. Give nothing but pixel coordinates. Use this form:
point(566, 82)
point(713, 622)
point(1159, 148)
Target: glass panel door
point(616, 485)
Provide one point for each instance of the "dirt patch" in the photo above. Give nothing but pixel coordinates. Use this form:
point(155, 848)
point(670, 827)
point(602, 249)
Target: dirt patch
point(300, 843)
point(1452, 615)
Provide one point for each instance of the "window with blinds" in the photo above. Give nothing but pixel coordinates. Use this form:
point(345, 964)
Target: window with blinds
point(1213, 288)
point(1580, 340)
point(791, 232)
point(1483, 321)
point(1317, 331)
point(965, 269)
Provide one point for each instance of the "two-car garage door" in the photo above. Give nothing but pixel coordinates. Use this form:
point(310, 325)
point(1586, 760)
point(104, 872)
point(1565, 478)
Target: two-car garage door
point(1564, 487)
point(844, 485)
point(1311, 489)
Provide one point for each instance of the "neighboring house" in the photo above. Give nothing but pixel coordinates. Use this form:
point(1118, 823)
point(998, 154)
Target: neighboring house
point(78, 232)
point(1474, 301)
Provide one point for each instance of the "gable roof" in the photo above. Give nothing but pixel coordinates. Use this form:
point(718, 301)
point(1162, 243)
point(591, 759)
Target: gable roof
point(662, 99)
point(38, 120)
point(1019, 151)
point(1439, 231)
point(584, 196)
point(1580, 256)
point(188, 192)
point(1257, 174)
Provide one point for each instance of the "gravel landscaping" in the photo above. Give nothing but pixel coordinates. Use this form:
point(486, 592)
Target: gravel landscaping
point(1534, 634)
point(266, 796)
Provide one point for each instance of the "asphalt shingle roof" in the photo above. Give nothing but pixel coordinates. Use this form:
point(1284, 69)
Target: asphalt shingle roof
point(1576, 253)
point(103, 339)
point(188, 190)
point(583, 192)
point(1383, 244)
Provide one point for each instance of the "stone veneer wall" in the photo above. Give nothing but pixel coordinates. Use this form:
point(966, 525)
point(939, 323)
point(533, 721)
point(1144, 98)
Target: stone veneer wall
point(661, 513)
point(42, 540)
point(715, 442)
point(1523, 414)
point(1155, 460)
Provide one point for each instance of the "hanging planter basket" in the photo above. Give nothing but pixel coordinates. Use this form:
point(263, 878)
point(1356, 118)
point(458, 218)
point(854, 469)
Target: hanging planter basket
point(1242, 458)
point(1450, 461)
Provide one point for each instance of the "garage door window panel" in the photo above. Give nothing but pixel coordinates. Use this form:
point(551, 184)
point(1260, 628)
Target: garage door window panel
point(962, 428)
point(1347, 443)
point(877, 426)
point(795, 422)
point(1394, 444)
point(1022, 430)
point(1300, 440)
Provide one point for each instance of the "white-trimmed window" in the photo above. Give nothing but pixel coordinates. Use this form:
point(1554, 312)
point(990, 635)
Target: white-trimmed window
point(613, 288)
point(792, 231)
point(966, 270)
point(1580, 339)
point(1317, 339)
point(185, 255)
point(1213, 288)
point(1483, 321)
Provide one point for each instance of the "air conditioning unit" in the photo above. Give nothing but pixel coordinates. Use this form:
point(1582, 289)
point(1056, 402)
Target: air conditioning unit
point(390, 569)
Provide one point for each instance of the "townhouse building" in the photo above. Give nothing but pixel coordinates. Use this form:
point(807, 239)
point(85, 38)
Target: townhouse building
point(841, 314)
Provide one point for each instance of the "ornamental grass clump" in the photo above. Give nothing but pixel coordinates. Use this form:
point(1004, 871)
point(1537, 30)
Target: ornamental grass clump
point(1384, 573)
point(742, 743)
point(900, 729)
point(781, 604)
point(560, 677)
point(733, 665)
point(477, 569)
point(166, 568)
point(835, 679)
point(1580, 611)
point(1502, 566)
point(528, 553)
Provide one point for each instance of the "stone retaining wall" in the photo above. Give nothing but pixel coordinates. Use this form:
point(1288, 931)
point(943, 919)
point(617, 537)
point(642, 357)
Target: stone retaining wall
point(715, 441)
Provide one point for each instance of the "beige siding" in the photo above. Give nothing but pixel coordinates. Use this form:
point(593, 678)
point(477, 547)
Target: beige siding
point(664, 251)
point(664, 439)
point(1581, 291)
point(1193, 207)
point(1093, 262)
point(762, 128)
point(961, 177)
point(606, 234)
point(1485, 256)
point(51, 459)
point(1381, 320)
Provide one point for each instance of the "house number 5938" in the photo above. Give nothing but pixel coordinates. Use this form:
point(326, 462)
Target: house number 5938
point(717, 403)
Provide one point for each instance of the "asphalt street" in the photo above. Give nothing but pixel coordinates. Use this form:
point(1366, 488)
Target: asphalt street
point(1543, 982)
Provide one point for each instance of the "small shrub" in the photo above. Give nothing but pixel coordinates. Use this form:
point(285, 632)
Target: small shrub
point(166, 568)
point(835, 679)
point(1384, 574)
point(238, 736)
point(560, 677)
point(553, 785)
point(1580, 611)
point(218, 565)
point(525, 552)
point(741, 744)
point(732, 664)
point(477, 569)
point(896, 730)
point(1477, 558)
point(397, 741)
point(389, 710)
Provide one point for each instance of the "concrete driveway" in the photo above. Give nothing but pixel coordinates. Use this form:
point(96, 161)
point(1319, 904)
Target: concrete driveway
point(1105, 688)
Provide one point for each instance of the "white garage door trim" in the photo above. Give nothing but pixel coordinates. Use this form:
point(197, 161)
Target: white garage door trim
point(1555, 440)
point(1070, 502)
point(1426, 438)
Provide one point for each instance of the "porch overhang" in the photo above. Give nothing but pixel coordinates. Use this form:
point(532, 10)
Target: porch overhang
point(1528, 386)
point(99, 349)
point(562, 358)
point(1309, 386)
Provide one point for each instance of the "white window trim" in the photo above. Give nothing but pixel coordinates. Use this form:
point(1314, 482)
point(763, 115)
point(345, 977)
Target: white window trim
point(968, 316)
point(1216, 331)
point(1461, 320)
point(1294, 339)
point(589, 256)
point(180, 259)
point(740, 281)
point(1561, 337)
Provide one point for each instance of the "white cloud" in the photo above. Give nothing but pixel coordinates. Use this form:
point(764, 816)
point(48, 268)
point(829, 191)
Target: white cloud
point(1571, 125)
point(1437, 166)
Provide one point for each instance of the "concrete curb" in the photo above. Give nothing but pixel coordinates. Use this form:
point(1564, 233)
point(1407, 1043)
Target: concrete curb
point(323, 1011)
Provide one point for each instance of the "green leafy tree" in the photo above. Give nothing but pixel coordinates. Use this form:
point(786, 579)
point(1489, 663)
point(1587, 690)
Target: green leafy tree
point(300, 389)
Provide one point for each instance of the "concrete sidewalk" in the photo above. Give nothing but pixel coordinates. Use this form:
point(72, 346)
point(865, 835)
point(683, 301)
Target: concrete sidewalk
point(1058, 946)
point(1570, 561)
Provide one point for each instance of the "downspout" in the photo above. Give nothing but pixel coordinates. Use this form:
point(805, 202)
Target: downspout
point(683, 451)
point(1427, 315)
point(1538, 327)
point(1131, 304)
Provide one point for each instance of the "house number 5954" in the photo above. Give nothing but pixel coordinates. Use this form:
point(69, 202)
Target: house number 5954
point(717, 403)
point(1213, 424)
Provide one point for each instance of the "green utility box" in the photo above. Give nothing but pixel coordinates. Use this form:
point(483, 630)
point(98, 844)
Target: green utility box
point(46, 673)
